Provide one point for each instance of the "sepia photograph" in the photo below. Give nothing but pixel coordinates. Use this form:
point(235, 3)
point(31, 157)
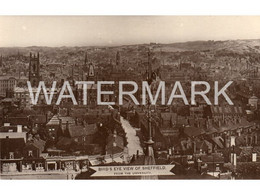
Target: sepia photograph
point(129, 97)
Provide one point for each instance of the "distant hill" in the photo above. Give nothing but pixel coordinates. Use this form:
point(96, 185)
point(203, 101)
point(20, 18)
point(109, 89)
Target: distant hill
point(136, 54)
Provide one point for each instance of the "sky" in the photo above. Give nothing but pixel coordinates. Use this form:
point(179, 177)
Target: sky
point(55, 31)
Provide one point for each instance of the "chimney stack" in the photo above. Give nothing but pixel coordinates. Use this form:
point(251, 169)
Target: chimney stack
point(232, 141)
point(76, 121)
point(19, 129)
point(67, 125)
point(194, 147)
point(114, 135)
point(254, 157)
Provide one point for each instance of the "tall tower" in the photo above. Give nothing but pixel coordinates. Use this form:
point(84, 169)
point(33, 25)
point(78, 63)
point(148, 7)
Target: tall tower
point(92, 91)
point(149, 155)
point(151, 75)
point(86, 59)
point(34, 69)
point(91, 72)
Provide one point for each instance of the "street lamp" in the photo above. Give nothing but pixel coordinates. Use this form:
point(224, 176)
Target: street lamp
point(151, 76)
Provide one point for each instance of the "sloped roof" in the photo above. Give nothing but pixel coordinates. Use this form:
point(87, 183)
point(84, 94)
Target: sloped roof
point(39, 119)
point(246, 151)
point(240, 140)
point(18, 121)
point(193, 131)
point(64, 142)
point(203, 144)
point(253, 97)
point(37, 144)
point(219, 141)
point(77, 130)
point(54, 121)
point(168, 116)
point(216, 158)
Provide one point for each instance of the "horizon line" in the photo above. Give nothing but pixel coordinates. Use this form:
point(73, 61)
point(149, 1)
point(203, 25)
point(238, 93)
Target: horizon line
point(198, 40)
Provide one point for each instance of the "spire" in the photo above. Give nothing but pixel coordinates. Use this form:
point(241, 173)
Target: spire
point(86, 58)
point(149, 68)
point(149, 156)
point(91, 72)
point(150, 74)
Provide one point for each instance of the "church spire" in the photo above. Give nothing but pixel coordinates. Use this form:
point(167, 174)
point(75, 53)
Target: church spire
point(86, 58)
point(91, 72)
point(151, 75)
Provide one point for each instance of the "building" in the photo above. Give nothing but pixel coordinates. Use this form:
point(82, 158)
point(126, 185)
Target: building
point(211, 163)
point(12, 132)
point(32, 158)
point(34, 69)
point(22, 94)
point(7, 85)
point(11, 154)
point(115, 144)
point(53, 127)
point(253, 101)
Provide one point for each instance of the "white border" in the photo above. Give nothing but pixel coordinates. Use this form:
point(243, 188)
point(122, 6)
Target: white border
point(129, 187)
point(130, 7)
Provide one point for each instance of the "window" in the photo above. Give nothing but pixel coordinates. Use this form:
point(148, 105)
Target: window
point(38, 165)
point(30, 153)
point(11, 155)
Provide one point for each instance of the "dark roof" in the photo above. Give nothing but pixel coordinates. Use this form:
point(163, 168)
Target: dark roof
point(193, 131)
point(204, 145)
point(219, 141)
point(214, 158)
point(39, 119)
point(18, 121)
point(77, 130)
point(36, 143)
point(64, 143)
point(236, 149)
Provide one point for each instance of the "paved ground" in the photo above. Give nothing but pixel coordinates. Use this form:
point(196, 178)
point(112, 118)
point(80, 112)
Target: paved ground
point(132, 139)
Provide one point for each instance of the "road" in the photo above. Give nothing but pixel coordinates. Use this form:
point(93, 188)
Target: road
point(132, 139)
